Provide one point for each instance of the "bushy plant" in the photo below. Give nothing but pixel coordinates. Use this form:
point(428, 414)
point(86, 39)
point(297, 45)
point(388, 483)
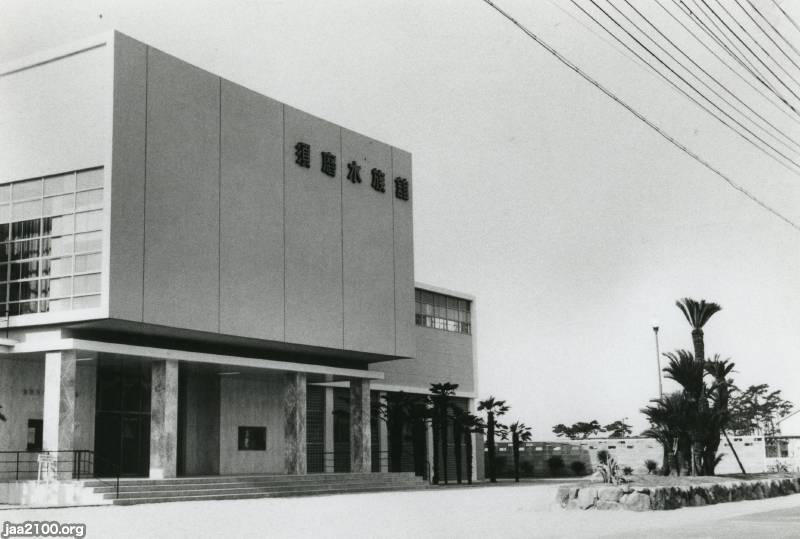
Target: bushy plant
point(578, 467)
point(778, 467)
point(651, 466)
point(556, 464)
point(610, 471)
point(627, 470)
point(526, 468)
point(602, 456)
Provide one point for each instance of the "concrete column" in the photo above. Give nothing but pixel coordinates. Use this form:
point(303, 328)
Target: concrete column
point(328, 430)
point(294, 405)
point(360, 435)
point(164, 419)
point(58, 413)
point(429, 449)
point(383, 443)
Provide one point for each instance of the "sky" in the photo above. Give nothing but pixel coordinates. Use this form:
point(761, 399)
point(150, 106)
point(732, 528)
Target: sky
point(574, 224)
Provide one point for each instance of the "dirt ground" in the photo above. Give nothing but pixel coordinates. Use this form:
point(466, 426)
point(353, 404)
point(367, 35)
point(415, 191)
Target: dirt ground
point(505, 510)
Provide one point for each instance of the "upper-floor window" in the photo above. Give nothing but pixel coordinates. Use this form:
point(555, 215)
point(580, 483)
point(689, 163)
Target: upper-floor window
point(51, 242)
point(440, 311)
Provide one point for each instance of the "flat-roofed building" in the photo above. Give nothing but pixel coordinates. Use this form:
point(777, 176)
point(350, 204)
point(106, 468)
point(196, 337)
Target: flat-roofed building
point(196, 279)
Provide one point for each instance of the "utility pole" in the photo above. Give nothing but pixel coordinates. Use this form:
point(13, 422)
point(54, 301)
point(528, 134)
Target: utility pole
point(658, 361)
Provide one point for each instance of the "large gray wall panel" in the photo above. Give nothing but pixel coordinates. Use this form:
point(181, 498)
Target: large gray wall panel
point(251, 199)
point(54, 116)
point(403, 257)
point(181, 253)
point(368, 248)
point(127, 179)
point(313, 234)
point(441, 356)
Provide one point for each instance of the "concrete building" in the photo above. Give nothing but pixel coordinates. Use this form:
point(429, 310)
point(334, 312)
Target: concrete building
point(198, 280)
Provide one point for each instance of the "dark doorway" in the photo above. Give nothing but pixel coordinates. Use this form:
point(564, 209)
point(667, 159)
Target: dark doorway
point(315, 429)
point(341, 429)
point(122, 418)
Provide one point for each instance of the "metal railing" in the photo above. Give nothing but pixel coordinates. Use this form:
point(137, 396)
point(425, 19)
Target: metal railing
point(69, 464)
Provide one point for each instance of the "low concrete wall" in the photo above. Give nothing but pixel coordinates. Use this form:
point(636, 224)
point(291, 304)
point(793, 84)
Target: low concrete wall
point(633, 498)
point(628, 452)
point(52, 494)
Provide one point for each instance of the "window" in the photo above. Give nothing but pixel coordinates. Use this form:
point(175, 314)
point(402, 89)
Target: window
point(439, 311)
point(252, 438)
point(51, 243)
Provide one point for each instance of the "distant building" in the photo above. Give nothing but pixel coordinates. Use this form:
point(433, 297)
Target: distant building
point(196, 279)
point(628, 452)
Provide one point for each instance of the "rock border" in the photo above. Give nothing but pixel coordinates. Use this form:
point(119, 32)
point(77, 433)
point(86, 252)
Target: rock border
point(633, 498)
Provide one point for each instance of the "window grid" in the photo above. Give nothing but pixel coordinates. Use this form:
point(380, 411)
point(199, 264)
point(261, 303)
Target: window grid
point(439, 311)
point(48, 225)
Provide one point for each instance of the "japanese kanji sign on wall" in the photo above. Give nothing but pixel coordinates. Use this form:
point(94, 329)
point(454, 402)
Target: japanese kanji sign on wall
point(302, 158)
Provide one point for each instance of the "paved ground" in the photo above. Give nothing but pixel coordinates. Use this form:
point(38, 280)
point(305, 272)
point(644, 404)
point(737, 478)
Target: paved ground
point(506, 511)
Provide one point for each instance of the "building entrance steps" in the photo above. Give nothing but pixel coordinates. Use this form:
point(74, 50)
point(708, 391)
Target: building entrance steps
point(135, 491)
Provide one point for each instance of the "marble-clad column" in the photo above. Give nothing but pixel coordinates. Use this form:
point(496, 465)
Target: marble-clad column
point(294, 405)
point(383, 445)
point(360, 432)
point(164, 419)
point(58, 415)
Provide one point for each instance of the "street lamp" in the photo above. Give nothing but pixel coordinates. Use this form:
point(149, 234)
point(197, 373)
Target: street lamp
point(658, 360)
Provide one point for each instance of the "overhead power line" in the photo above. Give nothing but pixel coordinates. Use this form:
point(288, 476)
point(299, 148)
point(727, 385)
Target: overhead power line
point(709, 75)
point(691, 97)
point(738, 55)
point(741, 77)
point(773, 27)
point(758, 25)
point(757, 57)
point(640, 116)
point(791, 20)
point(727, 44)
point(757, 42)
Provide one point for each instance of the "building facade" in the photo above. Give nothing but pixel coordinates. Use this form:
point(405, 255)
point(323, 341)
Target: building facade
point(196, 279)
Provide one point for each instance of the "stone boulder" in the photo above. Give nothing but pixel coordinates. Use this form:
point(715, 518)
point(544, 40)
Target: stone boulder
point(562, 495)
point(587, 497)
point(609, 494)
point(636, 501)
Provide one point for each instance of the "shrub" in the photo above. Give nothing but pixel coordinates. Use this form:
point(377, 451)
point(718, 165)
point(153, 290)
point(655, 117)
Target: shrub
point(578, 467)
point(526, 468)
point(602, 456)
point(556, 464)
point(651, 466)
point(610, 472)
point(627, 470)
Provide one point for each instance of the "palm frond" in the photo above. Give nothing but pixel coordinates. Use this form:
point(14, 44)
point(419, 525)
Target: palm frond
point(697, 313)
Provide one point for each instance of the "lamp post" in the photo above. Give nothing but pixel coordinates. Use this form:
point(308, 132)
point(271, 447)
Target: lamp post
point(658, 360)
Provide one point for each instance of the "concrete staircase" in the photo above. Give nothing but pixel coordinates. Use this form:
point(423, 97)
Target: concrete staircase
point(136, 491)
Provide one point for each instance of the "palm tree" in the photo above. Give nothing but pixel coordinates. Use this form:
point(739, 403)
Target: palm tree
point(440, 400)
point(400, 411)
point(720, 391)
point(520, 432)
point(698, 314)
point(459, 435)
point(685, 369)
point(494, 409)
point(470, 424)
point(668, 417)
